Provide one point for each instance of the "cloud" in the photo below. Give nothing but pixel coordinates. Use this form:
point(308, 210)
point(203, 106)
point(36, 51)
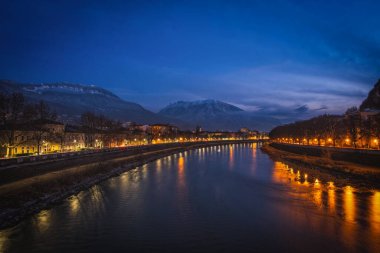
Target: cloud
point(302, 109)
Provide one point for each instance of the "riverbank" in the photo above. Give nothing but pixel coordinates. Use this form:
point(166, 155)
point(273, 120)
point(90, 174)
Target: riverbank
point(40, 189)
point(368, 176)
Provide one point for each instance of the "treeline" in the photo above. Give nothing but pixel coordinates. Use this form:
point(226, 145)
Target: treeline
point(94, 121)
point(25, 124)
point(15, 110)
point(358, 129)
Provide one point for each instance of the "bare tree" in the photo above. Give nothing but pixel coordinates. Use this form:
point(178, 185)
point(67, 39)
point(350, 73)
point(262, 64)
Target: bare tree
point(352, 120)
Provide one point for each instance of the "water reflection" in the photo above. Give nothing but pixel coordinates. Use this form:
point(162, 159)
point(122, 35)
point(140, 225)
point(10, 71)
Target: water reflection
point(341, 203)
point(97, 198)
point(159, 165)
point(375, 212)
point(254, 157)
point(74, 204)
point(181, 173)
point(349, 204)
point(3, 241)
point(209, 200)
point(42, 220)
point(331, 198)
point(181, 165)
point(231, 157)
point(318, 193)
point(285, 175)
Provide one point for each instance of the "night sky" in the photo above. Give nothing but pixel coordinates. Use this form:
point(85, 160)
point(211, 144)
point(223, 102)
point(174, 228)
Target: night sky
point(322, 56)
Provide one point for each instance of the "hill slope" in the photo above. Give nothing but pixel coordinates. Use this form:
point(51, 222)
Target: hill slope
point(71, 100)
point(373, 99)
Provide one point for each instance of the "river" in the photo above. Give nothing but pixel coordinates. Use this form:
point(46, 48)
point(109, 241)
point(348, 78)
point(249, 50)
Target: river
point(232, 198)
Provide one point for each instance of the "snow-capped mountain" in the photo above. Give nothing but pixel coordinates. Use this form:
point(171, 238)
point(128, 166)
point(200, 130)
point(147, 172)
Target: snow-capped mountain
point(198, 109)
point(216, 115)
point(68, 88)
point(71, 100)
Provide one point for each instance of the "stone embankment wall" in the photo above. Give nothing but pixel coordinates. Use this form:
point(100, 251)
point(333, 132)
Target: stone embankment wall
point(359, 156)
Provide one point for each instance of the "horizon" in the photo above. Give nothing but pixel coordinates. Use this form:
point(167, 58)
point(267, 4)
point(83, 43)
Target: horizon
point(302, 108)
point(277, 56)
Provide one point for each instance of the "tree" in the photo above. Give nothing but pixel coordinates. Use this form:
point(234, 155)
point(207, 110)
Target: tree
point(366, 131)
point(4, 108)
point(29, 113)
point(11, 106)
point(16, 105)
point(352, 120)
point(88, 120)
point(44, 111)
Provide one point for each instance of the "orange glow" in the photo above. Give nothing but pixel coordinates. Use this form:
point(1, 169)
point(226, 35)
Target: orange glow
point(181, 175)
point(349, 204)
point(231, 157)
point(280, 173)
point(3, 241)
point(375, 212)
point(331, 197)
point(298, 175)
point(74, 204)
point(254, 150)
point(318, 195)
point(181, 165)
point(43, 220)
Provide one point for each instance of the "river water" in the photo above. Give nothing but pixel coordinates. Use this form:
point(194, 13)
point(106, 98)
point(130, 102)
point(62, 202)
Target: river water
point(232, 198)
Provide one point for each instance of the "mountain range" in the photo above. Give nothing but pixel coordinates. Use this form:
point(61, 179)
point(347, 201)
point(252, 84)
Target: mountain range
point(216, 115)
point(69, 101)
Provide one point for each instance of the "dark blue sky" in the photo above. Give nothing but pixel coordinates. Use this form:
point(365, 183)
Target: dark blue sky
point(276, 55)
